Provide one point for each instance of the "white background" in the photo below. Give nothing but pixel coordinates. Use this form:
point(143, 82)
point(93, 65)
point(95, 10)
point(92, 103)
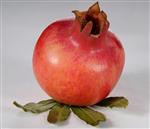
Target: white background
point(23, 22)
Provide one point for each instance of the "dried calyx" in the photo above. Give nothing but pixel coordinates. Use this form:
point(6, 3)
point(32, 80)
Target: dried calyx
point(94, 15)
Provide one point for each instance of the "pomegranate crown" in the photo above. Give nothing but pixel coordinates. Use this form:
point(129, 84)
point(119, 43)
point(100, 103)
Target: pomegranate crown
point(97, 17)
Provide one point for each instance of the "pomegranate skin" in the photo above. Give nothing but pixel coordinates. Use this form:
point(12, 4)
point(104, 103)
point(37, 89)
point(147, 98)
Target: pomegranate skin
point(74, 67)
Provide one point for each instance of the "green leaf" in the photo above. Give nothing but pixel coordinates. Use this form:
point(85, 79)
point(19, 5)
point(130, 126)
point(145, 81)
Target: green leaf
point(120, 102)
point(88, 115)
point(58, 113)
point(39, 107)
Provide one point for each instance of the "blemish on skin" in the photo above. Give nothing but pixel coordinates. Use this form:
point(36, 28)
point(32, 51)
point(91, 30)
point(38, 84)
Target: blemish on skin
point(54, 60)
point(54, 56)
point(97, 67)
point(74, 43)
point(95, 51)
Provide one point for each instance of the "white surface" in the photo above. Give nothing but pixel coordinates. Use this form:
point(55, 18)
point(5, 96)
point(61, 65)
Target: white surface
point(22, 24)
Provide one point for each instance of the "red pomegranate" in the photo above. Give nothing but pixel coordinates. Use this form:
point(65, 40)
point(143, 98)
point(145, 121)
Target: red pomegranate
point(78, 61)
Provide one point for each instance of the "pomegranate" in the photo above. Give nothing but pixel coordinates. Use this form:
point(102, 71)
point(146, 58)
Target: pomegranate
point(78, 61)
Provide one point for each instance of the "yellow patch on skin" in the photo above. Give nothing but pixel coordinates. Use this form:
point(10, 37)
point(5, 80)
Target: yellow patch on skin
point(95, 65)
point(56, 54)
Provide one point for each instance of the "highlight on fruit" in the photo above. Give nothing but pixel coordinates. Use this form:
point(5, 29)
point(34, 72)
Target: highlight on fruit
point(78, 62)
